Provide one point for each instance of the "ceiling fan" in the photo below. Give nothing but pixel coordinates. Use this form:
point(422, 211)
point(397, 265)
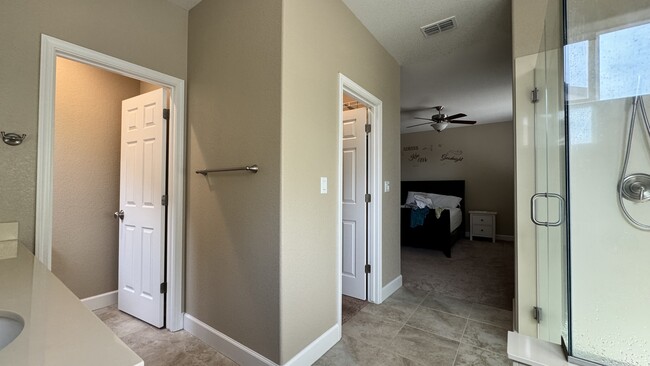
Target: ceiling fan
point(440, 121)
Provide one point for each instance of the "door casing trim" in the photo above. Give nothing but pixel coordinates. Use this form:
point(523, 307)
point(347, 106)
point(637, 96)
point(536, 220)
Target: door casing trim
point(51, 48)
point(346, 85)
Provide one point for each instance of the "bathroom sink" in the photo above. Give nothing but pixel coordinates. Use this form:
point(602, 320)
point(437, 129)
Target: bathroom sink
point(11, 324)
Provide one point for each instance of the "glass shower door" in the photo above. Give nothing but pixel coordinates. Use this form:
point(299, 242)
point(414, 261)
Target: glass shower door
point(548, 205)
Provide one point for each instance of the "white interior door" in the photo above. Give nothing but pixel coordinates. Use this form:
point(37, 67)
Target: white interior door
point(142, 227)
point(354, 204)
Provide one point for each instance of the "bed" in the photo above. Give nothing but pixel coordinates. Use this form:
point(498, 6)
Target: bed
point(435, 233)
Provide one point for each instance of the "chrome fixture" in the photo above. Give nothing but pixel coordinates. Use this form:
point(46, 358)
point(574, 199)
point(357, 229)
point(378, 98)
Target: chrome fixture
point(119, 214)
point(252, 168)
point(12, 139)
point(634, 187)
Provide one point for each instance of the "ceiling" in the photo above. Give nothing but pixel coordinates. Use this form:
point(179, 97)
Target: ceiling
point(467, 69)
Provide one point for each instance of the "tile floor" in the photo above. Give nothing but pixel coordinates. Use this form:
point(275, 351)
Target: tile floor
point(417, 327)
point(449, 312)
point(158, 347)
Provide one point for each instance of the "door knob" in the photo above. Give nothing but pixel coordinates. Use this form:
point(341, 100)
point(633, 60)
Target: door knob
point(119, 214)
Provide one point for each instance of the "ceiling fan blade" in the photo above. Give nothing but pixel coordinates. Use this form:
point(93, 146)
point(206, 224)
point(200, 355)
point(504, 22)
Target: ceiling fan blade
point(420, 124)
point(457, 115)
point(426, 119)
point(464, 122)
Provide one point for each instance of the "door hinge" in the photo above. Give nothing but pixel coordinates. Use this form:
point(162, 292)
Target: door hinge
point(368, 128)
point(163, 200)
point(368, 198)
point(537, 313)
point(166, 114)
point(534, 95)
point(368, 268)
point(163, 288)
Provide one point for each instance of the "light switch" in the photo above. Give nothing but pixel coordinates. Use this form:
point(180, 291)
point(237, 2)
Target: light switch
point(386, 186)
point(323, 185)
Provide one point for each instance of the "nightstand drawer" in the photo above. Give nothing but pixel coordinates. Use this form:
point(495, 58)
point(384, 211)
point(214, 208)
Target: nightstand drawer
point(482, 230)
point(483, 219)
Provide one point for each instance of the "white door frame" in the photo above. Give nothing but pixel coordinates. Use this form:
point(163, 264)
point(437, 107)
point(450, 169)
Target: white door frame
point(374, 185)
point(51, 48)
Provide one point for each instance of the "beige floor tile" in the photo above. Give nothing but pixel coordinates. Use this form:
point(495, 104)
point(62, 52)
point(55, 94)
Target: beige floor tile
point(491, 315)
point(391, 309)
point(437, 322)
point(121, 324)
point(350, 351)
point(486, 337)
point(160, 347)
point(424, 347)
point(472, 356)
point(448, 304)
point(410, 295)
point(372, 329)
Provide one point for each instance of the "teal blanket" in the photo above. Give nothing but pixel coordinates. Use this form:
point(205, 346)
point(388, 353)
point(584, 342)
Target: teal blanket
point(418, 215)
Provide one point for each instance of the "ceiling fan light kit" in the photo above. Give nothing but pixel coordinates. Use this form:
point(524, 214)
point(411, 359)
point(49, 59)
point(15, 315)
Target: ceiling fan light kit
point(439, 126)
point(440, 121)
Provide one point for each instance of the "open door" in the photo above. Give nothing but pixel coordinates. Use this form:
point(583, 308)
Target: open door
point(142, 211)
point(354, 204)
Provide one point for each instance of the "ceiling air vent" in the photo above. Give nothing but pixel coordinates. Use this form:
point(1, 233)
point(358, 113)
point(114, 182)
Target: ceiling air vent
point(437, 27)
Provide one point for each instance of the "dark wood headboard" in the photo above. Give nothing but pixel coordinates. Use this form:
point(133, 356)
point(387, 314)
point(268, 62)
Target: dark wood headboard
point(446, 187)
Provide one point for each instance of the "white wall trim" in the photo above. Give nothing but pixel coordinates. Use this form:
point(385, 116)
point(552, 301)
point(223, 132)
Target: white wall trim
point(317, 348)
point(50, 49)
point(246, 356)
point(224, 344)
point(392, 286)
point(375, 165)
point(498, 237)
point(101, 300)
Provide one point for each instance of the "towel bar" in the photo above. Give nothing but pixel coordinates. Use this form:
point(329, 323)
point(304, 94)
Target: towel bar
point(253, 169)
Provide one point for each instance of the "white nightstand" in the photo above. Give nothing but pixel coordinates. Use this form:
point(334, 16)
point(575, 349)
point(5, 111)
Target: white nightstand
point(482, 223)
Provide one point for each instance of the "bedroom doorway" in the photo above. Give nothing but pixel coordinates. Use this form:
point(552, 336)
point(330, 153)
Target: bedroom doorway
point(359, 258)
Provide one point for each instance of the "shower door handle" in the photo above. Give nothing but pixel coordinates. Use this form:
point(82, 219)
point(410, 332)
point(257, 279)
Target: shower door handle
point(533, 210)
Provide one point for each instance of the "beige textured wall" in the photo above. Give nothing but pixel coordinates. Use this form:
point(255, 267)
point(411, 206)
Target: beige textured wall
point(233, 219)
point(487, 166)
point(527, 26)
point(151, 33)
point(87, 175)
point(321, 39)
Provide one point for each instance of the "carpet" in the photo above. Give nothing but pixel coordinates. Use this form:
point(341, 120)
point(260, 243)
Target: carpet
point(351, 307)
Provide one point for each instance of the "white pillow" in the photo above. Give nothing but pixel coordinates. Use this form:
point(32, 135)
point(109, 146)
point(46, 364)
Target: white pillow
point(410, 197)
point(446, 201)
point(438, 200)
point(423, 201)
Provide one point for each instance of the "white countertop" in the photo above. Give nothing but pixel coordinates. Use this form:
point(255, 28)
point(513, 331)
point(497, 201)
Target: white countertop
point(59, 329)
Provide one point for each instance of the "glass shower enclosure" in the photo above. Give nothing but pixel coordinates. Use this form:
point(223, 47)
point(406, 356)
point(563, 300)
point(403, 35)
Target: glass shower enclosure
point(607, 65)
point(592, 180)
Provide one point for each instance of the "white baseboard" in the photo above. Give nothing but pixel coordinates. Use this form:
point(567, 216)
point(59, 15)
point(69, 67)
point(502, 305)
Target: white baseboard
point(246, 356)
point(224, 344)
point(101, 300)
point(390, 289)
point(317, 348)
point(498, 237)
